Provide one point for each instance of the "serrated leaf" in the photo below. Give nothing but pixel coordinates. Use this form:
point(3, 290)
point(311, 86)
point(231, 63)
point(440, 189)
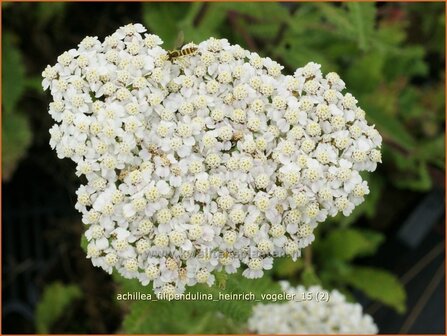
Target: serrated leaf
point(347, 244)
point(305, 17)
point(175, 317)
point(55, 300)
point(379, 285)
point(16, 138)
point(13, 75)
point(156, 316)
point(240, 310)
point(140, 318)
point(363, 17)
point(337, 17)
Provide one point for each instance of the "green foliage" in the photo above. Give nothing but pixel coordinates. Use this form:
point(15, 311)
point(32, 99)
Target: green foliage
point(335, 256)
point(56, 299)
point(377, 63)
point(416, 175)
point(354, 21)
point(174, 317)
point(379, 285)
point(16, 137)
point(364, 17)
point(13, 76)
point(195, 316)
point(84, 243)
point(309, 277)
point(431, 151)
point(16, 132)
point(164, 20)
point(347, 244)
point(389, 127)
point(379, 60)
point(374, 57)
point(199, 21)
point(394, 65)
point(286, 267)
point(168, 21)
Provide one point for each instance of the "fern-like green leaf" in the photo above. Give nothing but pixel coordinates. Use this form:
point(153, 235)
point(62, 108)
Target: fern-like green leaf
point(156, 316)
point(363, 17)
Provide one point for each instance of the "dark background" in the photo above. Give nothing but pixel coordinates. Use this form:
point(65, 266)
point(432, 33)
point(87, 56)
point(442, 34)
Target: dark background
point(402, 91)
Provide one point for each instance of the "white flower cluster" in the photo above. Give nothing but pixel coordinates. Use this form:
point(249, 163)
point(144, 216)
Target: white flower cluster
point(206, 161)
point(309, 316)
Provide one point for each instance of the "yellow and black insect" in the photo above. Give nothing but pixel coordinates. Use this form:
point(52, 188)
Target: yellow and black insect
point(173, 54)
point(178, 52)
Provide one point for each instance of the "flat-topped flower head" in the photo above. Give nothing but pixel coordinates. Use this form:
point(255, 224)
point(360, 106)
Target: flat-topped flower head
point(311, 310)
point(199, 158)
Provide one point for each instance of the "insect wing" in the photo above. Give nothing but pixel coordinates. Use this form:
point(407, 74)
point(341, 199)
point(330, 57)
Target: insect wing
point(179, 40)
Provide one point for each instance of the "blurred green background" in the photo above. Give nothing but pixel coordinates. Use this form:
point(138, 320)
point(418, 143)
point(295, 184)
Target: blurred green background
point(391, 56)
